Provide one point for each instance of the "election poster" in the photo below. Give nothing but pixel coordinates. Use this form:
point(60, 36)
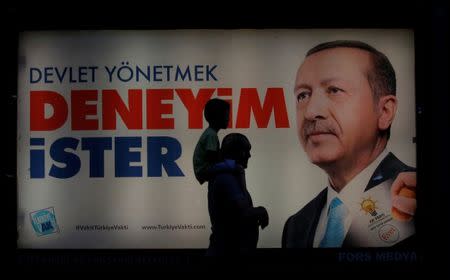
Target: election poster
point(108, 121)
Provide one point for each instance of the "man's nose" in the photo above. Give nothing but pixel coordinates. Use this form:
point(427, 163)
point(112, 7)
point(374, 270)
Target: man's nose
point(317, 106)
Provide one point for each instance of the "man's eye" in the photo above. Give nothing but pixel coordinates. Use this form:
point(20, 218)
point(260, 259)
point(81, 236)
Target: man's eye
point(303, 95)
point(332, 89)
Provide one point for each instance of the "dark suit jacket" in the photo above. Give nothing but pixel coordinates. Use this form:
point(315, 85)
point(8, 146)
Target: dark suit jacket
point(300, 229)
point(234, 220)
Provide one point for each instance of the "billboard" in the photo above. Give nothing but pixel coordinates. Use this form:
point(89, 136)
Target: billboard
point(108, 122)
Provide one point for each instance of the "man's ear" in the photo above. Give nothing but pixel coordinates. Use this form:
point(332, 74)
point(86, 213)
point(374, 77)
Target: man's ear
point(387, 107)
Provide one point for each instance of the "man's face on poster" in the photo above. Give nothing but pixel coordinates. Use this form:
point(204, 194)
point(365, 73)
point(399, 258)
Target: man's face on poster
point(336, 114)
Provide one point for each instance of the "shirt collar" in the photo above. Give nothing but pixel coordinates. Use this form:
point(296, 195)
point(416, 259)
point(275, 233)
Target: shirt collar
point(352, 193)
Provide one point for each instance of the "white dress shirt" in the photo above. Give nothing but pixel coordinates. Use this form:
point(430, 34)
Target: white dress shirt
point(350, 196)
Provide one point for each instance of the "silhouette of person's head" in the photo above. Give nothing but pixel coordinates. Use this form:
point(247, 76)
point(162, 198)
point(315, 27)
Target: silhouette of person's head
point(237, 147)
point(217, 113)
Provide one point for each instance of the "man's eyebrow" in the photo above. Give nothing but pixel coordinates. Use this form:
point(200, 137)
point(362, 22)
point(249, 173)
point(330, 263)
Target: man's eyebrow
point(324, 82)
point(302, 85)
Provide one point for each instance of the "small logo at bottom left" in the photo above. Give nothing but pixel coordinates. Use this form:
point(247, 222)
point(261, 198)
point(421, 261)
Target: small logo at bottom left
point(44, 221)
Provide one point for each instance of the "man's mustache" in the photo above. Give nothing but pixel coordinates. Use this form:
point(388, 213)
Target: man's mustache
point(318, 127)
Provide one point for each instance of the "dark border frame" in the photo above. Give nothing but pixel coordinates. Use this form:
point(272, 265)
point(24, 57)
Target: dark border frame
point(430, 24)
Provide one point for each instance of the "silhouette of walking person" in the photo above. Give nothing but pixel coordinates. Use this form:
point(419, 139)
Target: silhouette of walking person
point(234, 220)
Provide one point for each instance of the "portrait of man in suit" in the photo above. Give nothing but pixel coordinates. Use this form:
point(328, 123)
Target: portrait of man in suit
point(345, 104)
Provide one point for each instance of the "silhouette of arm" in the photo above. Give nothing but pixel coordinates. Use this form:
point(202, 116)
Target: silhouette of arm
point(253, 214)
point(241, 206)
point(206, 175)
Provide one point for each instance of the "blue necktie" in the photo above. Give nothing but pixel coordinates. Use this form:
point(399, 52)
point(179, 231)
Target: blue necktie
point(334, 234)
